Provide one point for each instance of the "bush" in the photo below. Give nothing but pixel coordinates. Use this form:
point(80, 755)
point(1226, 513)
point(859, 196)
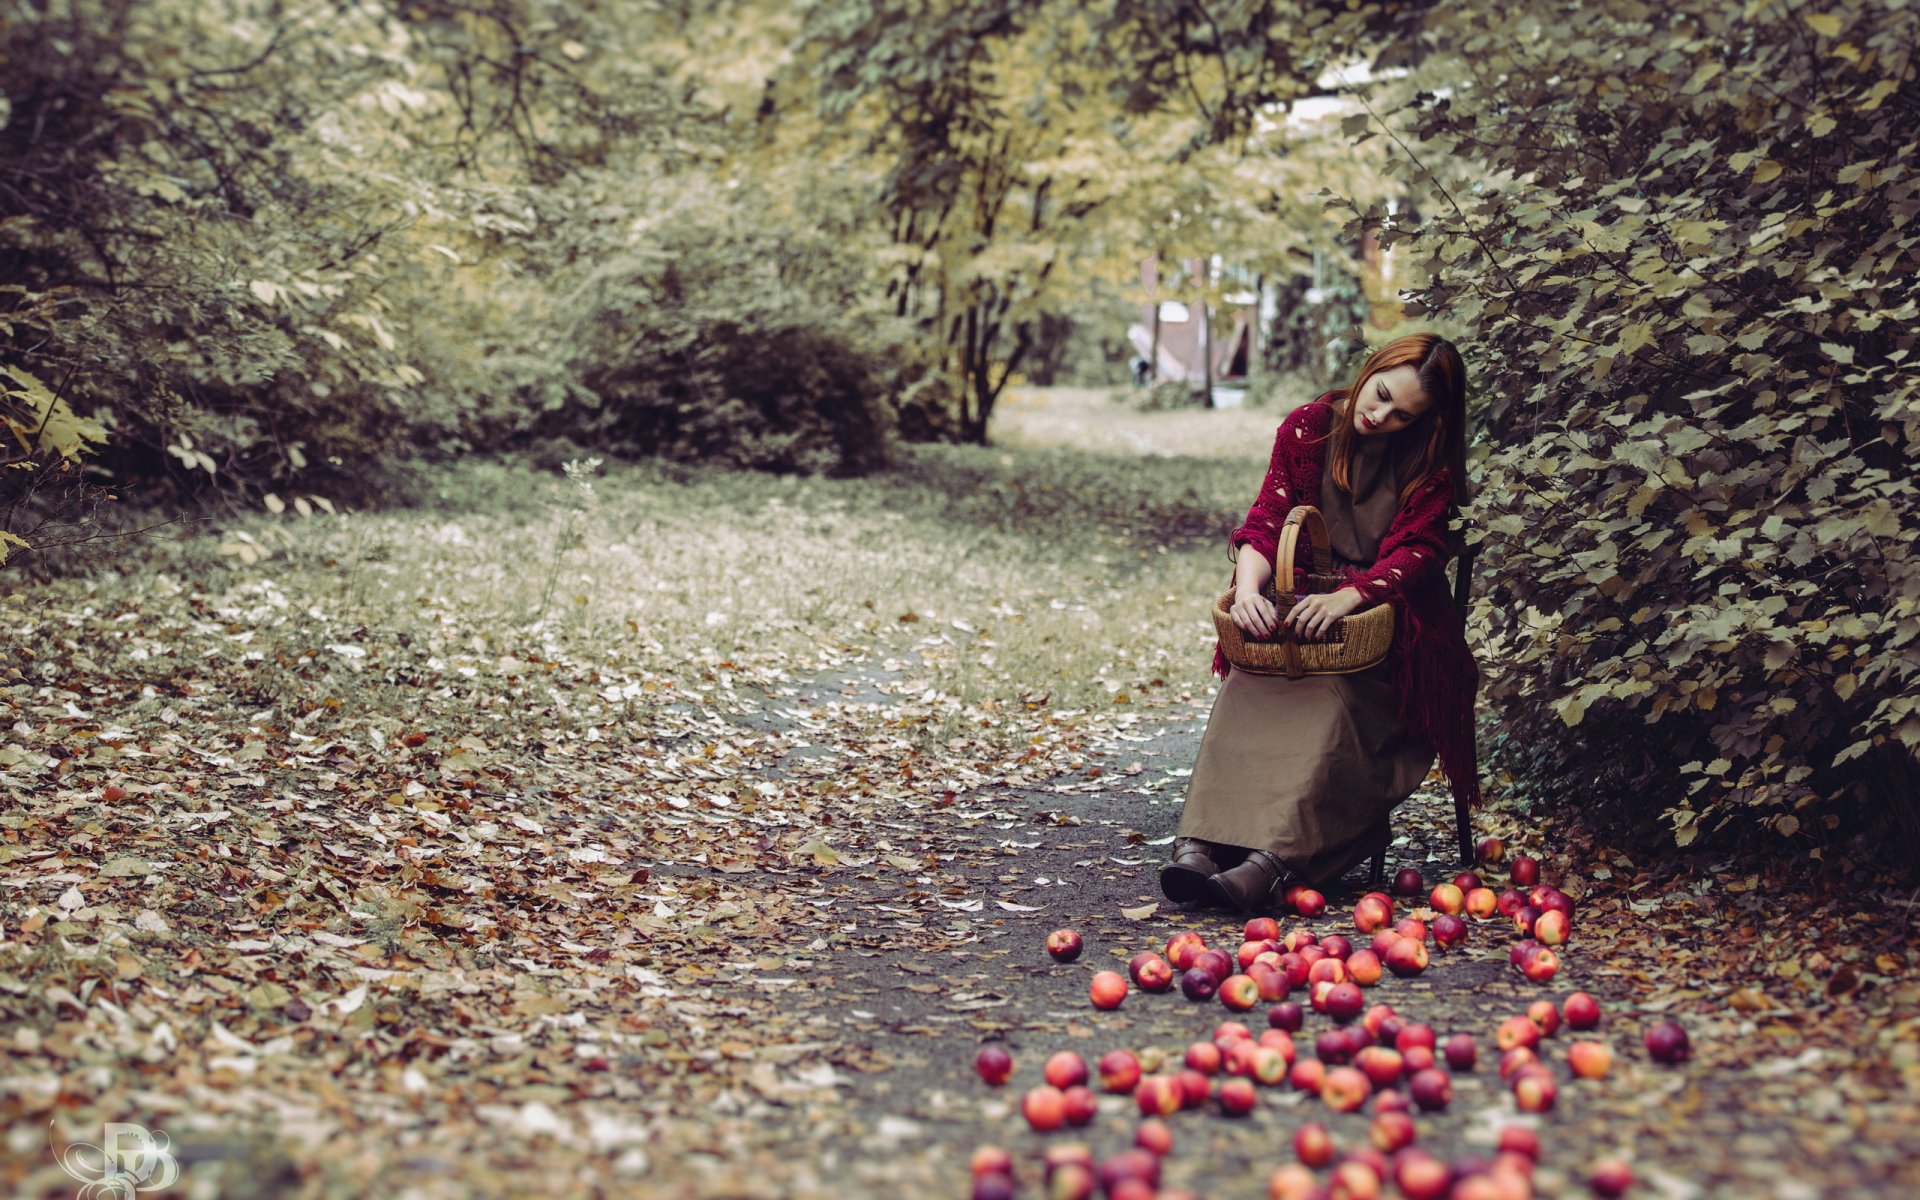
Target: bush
point(1691, 260)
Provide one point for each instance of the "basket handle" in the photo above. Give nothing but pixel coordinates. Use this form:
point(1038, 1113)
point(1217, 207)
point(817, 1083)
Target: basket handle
point(1321, 547)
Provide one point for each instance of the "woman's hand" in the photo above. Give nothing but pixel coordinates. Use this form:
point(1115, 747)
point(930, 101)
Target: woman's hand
point(1253, 613)
point(1313, 615)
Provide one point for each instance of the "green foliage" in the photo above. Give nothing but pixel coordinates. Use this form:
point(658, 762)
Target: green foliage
point(1690, 258)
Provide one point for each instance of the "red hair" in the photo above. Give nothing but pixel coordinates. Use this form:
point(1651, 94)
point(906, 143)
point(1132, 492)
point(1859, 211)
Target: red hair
point(1435, 439)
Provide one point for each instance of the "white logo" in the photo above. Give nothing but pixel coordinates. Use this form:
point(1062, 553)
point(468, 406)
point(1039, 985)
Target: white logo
point(129, 1159)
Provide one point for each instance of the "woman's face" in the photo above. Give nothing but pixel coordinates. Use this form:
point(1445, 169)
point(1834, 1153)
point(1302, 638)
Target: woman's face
point(1391, 401)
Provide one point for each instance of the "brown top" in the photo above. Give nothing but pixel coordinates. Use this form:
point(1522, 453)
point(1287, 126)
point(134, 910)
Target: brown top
point(1356, 522)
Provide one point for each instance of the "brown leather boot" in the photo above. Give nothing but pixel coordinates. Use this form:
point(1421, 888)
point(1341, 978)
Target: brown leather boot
point(1249, 887)
point(1184, 880)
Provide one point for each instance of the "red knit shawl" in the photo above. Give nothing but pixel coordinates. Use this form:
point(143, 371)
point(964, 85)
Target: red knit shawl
point(1434, 675)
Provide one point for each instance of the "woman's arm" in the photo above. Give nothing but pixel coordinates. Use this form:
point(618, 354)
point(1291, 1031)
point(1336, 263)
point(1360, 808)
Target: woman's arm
point(1261, 529)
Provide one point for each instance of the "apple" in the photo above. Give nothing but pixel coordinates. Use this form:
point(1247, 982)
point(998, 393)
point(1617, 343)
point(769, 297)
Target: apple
point(1364, 967)
point(1292, 894)
point(1183, 948)
point(1045, 1108)
point(1217, 963)
point(1307, 1075)
point(1064, 944)
point(1421, 1176)
point(1345, 1001)
point(1081, 1104)
point(1391, 1131)
point(1513, 1061)
point(1534, 1090)
point(1355, 1178)
point(1590, 1060)
point(1261, 929)
point(1310, 955)
point(1158, 1095)
point(1238, 1097)
point(1239, 1059)
point(1309, 903)
point(1446, 898)
point(1381, 1066)
point(993, 1064)
point(1383, 941)
point(1371, 913)
point(1313, 1145)
point(1517, 953)
point(1411, 927)
point(1292, 1181)
point(1230, 1031)
point(1523, 920)
point(1336, 946)
point(1519, 1166)
point(1419, 1034)
point(1466, 881)
point(1345, 1089)
point(1197, 983)
point(1132, 1164)
point(1270, 1065)
point(1419, 1058)
point(1248, 951)
point(1269, 980)
point(1279, 1039)
point(1408, 882)
point(1239, 992)
point(1545, 1015)
point(1194, 1088)
point(1491, 850)
point(1517, 1031)
point(1407, 957)
point(1119, 1072)
point(1547, 898)
point(992, 1187)
point(1328, 970)
point(1295, 967)
point(1142, 969)
point(1298, 939)
point(1072, 1181)
point(1481, 903)
point(1289, 1016)
point(1108, 989)
point(1132, 1189)
point(1449, 931)
point(1667, 1043)
point(1509, 902)
point(1610, 1177)
point(1152, 1058)
point(1461, 1052)
point(1582, 1011)
point(1519, 1139)
point(1333, 1048)
point(1524, 871)
point(1154, 1136)
point(1391, 1100)
point(1431, 1089)
point(1550, 928)
point(990, 1160)
point(1541, 965)
point(1205, 1057)
point(1065, 1069)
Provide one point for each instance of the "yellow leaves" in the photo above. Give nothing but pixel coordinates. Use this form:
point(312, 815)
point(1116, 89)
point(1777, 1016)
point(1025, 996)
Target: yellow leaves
point(1876, 94)
point(10, 542)
point(1706, 74)
point(43, 423)
point(1768, 170)
point(1824, 24)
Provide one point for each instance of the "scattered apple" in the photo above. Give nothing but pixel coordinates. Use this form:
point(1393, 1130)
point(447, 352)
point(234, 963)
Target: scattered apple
point(1072, 1182)
point(1383, 941)
point(990, 1160)
point(1517, 953)
point(1590, 1060)
point(1269, 980)
point(1431, 1089)
point(1582, 1011)
point(1519, 1139)
point(1217, 963)
point(993, 1064)
point(1296, 968)
point(1509, 902)
point(1298, 939)
point(1108, 989)
point(1461, 1052)
point(1371, 913)
point(1345, 1089)
point(1524, 871)
point(1446, 898)
point(1231, 1031)
point(1065, 1069)
point(1239, 1059)
point(1513, 1061)
point(1291, 896)
point(1081, 1104)
point(1064, 944)
point(1292, 1182)
point(1238, 1097)
point(1407, 881)
point(1391, 1100)
point(993, 1187)
point(1327, 970)
point(1419, 1058)
point(1391, 1131)
point(1239, 992)
point(1270, 1065)
point(1407, 957)
point(1517, 1031)
point(1524, 919)
point(1416, 1034)
point(1421, 1176)
point(1550, 927)
point(1150, 972)
point(1205, 1057)
point(1289, 1016)
point(1307, 1075)
point(1545, 1015)
point(1158, 1096)
point(1183, 948)
point(1154, 1136)
point(1197, 983)
point(1119, 1072)
point(1045, 1108)
point(1541, 965)
point(1548, 898)
point(1449, 931)
point(1194, 1088)
point(1481, 903)
point(1313, 1145)
point(1534, 1090)
point(1132, 1165)
point(1248, 951)
point(1466, 881)
point(1345, 1001)
point(1309, 903)
point(1610, 1178)
point(1364, 967)
point(1317, 995)
point(1337, 946)
point(1491, 850)
point(1262, 929)
point(1355, 1178)
point(1411, 927)
point(1333, 1047)
point(1667, 1043)
point(1381, 1066)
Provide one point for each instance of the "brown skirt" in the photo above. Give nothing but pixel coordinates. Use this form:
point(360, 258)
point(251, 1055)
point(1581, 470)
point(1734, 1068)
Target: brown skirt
point(1302, 768)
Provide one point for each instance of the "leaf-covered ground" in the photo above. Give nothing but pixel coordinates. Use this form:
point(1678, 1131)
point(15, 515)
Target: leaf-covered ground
point(686, 837)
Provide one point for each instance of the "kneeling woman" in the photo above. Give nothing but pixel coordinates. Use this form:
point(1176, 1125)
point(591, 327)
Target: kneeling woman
point(1295, 778)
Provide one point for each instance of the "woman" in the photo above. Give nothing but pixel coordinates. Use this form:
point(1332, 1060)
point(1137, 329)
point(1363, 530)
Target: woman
point(1295, 778)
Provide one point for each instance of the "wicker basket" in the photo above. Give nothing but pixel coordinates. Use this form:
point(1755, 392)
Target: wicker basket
point(1355, 642)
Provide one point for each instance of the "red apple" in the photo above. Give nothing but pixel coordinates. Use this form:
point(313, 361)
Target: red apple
point(993, 1064)
point(1150, 972)
point(1355, 1178)
point(1513, 1061)
point(1045, 1108)
point(1481, 903)
point(1517, 1031)
point(1307, 1075)
point(1466, 881)
point(1491, 850)
point(1279, 1039)
point(1376, 1017)
point(1313, 1145)
point(1270, 981)
point(1419, 1058)
point(990, 1160)
point(1262, 929)
point(1270, 1065)
point(1541, 965)
point(1298, 939)
point(1239, 993)
point(1517, 953)
point(1610, 1178)
point(1317, 995)
point(1446, 898)
point(1119, 1071)
point(1217, 963)
point(1197, 983)
point(1391, 1131)
point(1431, 1089)
point(1550, 928)
point(1547, 898)
point(1292, 1181)
point(1418, 1034)
point(1545, 1015)
point(1407, 882)
point(1411, 927)
point(1364, 967)
point(1309, 903)
point(1238, 1097)
point(1231, 1031)
point(1333, 1047)
point(1345, 1089)
point(1064, 944)
point(1289, 1016)
point(1239, 1058)
point(1534, 1090)
point(1183, 948)
point(992, 1187)
point(1383, 941)
point(1381, 1066)
point(1509, 902)
point(1336, 946)
point(1329, 970)
point(1158, 1095)
point(1519, 1139)
point(1524, 919)
point(1391, 1100)
point(1065, 1069)
point(1582, 1011)
point(1205, 1057)
point(1154, 1136)
point(1194, 1088)
point(1371, 913)
point(1345, 1001)
point(1407, 957)
point(1108, 989)
point(1525, 872)
point(1072, 1181)
point(1081, 1104)
point(1590, 1060)
point(1667, 1043)
point(1296, 968)
point(1249, 951)
point(1461, 1052)
point(1132, 1165)
point(1449, 931)
point(1421, 1176)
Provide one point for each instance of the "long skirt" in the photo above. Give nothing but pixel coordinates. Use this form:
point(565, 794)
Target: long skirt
point(1302, 768)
